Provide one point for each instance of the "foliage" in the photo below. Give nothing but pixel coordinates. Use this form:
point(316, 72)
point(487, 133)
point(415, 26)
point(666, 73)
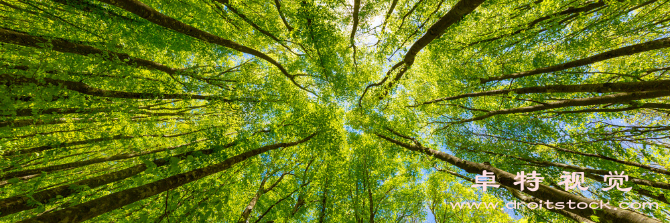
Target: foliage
point(329, 111)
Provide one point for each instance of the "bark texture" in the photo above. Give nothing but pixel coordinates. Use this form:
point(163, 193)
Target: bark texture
point(624, 51)
point(613, 98)
point(93, 208)
point(19, 203)
point(83, 88)
point(657, 85)
point(543, 193)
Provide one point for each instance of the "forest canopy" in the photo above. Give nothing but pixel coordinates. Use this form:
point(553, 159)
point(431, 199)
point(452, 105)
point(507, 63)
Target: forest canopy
point(332, 110)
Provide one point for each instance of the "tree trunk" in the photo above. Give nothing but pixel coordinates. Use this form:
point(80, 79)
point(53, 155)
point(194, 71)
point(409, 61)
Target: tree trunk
point(19, 203)
point(93, 208)
point(623, 51)
point(543, 193)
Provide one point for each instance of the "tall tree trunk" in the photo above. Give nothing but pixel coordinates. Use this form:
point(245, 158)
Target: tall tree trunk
point(93, 208)
point(324, 200)
point(656, 85)
point(613, 98)
point(544, 192)
point(560, 149)
point(19, 203)
point(142, 10)
point(50, 169)
point(88, 90)
point(527, 199)
point(623, 51)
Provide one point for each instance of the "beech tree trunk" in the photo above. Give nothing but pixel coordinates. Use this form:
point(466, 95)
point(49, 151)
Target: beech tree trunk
point(91, 209)
point(19, 203)
point(543, 193)
point(657, 85)
point(623, 51)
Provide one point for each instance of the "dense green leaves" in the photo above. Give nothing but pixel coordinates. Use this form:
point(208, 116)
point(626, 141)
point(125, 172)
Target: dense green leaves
point(330, 110)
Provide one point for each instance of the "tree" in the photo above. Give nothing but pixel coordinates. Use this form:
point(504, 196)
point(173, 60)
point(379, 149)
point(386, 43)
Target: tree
point(331, 111)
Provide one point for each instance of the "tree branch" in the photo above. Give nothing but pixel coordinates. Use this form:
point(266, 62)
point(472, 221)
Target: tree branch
point(624, 51)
